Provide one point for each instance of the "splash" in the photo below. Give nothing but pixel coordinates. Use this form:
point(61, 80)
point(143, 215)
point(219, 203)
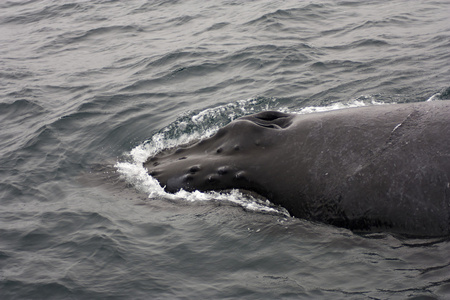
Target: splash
point(365, 100)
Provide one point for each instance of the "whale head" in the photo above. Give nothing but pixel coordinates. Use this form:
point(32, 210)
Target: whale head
point(240, 155)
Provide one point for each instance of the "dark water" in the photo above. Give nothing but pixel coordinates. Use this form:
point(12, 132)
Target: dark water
point(88, 88)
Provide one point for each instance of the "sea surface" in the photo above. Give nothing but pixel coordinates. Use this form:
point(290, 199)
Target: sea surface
point(90, 89)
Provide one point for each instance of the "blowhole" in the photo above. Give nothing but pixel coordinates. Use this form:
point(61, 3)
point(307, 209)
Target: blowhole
point(271, 115)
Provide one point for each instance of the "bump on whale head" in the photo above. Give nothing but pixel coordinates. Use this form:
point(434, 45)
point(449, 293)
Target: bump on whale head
point(223, 161)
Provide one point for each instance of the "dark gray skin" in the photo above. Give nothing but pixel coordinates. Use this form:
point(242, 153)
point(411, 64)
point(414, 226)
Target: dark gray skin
point(377, 168)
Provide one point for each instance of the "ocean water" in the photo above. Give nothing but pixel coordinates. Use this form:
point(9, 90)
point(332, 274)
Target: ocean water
point(90, 89)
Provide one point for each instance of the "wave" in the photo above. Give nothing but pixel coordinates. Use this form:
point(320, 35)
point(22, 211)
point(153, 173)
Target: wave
point(99, 34)
point(20, 109)
point(37, 13)
point(274, 19)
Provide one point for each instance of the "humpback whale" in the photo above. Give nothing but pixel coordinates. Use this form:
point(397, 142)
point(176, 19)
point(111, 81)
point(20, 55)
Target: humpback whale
point(369, 169)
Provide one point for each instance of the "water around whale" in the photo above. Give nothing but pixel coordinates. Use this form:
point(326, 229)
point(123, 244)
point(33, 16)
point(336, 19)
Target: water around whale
point(90, 89)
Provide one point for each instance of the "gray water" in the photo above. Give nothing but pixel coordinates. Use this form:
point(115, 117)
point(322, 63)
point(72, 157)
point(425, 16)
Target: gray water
point(89, 86)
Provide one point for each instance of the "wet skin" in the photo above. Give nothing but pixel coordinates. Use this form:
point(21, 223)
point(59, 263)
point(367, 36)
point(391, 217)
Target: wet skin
point(377, 168)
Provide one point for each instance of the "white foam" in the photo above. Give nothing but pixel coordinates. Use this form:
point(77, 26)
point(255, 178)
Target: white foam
point(341, 105)
point(137, 175)
point(434, 97)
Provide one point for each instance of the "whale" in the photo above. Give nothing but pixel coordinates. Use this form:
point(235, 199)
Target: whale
point(376, 168)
